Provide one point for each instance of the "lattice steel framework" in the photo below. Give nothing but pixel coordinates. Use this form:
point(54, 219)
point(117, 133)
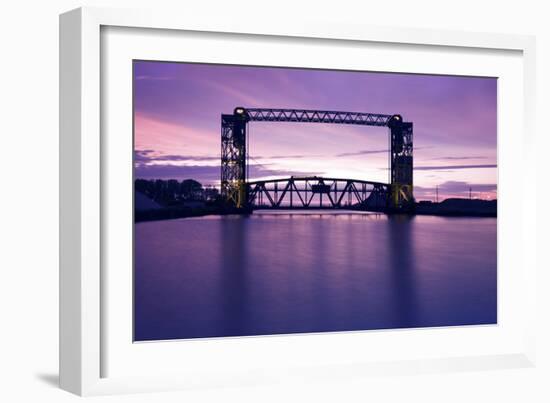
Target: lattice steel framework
point(317, 192)
point(314, 116)
point(401, 162)
point(234, 153)
point(233, 168)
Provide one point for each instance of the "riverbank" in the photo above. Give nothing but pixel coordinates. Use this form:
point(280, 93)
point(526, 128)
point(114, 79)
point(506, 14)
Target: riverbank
point(458, 208)
point(169, 213)
point(449, 208)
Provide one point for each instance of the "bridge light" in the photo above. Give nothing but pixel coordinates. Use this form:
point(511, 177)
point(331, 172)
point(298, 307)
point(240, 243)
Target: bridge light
point(395, 122)
point(239, 111)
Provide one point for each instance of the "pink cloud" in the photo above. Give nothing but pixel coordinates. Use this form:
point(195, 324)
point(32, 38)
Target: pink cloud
point(172, 138)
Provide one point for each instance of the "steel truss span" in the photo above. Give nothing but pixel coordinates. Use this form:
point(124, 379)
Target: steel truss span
point(317, 192)
point(313, 116)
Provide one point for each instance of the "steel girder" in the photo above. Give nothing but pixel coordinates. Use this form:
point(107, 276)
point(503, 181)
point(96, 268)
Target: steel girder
point(315, 116)
point(316, 192)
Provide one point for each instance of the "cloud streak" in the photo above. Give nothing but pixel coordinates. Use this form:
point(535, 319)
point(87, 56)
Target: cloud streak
point(148, 156)
point(453, 167)
point(362, 152)
point(461, 158)
point(462, 189)
point(153, 78)
point(209, 174)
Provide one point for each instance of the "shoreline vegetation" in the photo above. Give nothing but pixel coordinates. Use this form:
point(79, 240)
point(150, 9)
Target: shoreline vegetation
point(169, 199)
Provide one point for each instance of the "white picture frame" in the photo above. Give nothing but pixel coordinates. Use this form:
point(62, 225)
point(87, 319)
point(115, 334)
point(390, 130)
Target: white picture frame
point(83, 168)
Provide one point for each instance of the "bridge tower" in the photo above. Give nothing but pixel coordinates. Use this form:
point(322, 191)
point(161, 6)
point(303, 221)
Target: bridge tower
point(401, 163)
point(233, 155)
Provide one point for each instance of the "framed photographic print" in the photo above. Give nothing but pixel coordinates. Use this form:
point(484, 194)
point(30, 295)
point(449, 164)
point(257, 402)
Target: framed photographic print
point(306, 228)
point(242, 203)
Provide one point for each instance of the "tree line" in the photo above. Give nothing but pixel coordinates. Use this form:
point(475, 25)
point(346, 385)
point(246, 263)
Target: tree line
point(172, 191)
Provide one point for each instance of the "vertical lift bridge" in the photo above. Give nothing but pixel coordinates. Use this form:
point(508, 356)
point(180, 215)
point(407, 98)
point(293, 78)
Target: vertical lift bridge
point(234, 186)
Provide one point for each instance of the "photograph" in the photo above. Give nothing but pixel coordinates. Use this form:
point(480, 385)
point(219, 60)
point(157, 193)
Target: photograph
point(271, 200)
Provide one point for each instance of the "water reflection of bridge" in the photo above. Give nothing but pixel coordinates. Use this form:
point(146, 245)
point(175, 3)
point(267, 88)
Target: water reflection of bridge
point(317, 192)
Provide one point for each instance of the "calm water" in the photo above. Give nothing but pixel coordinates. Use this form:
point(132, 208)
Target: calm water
point(288, 273)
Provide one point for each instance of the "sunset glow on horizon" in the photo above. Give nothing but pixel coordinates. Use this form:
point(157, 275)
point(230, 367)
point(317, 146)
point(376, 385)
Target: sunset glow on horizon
point(177, 108)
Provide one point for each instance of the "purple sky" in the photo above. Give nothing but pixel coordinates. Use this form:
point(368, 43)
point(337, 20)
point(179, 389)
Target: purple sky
point(178, 108)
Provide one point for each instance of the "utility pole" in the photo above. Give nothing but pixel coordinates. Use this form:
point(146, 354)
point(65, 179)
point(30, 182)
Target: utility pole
point(437, 193)
point(470, 193)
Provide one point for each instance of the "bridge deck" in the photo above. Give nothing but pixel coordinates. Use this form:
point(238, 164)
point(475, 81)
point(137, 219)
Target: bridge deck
point(316, 178)
point(315, 192)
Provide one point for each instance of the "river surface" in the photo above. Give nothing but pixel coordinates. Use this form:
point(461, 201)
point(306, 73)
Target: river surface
point(292, 273)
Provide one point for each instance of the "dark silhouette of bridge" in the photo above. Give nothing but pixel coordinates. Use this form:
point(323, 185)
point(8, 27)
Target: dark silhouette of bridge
point(315, 192)
point(318, 192)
